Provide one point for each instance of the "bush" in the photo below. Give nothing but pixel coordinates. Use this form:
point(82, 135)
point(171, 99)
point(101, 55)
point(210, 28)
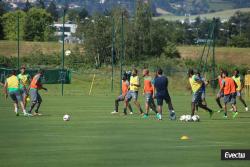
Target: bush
point(240, 41)
point(170, 51)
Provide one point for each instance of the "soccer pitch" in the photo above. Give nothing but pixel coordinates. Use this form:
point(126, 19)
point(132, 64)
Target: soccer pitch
point(94, 137)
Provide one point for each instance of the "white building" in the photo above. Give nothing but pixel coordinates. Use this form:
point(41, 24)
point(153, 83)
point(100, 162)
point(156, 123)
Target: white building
point(69, 30)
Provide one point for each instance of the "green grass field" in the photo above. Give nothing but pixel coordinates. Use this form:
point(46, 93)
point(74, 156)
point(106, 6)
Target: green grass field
point(94, 137)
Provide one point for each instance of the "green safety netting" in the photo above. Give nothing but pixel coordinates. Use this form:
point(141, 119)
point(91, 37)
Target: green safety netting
point(51, 76)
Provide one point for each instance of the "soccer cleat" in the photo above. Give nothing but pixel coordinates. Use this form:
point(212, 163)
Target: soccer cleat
point(158, 116)
point(225, 117)
point(29, 115)
point(125, 112)
point(37, 114)
point(145, 116)
point(17, 113)
point(172, 116)
point(235, 114)
point(211, 113)
point(220, 110)
point(246, 109)
point(114, 112)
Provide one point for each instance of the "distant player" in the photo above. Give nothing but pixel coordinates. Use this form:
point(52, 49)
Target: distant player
point(35, 85)
point(161, 93)
point(133, 92)
point(229, 89)
point(24, 79)
point(148, 93)
point(203, 89)
point(125, 89)
point(11, 88)
point(240, 85)
point(220, 93)
point(196, 85)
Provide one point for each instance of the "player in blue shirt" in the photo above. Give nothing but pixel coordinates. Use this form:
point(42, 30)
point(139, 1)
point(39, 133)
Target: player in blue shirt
point(161, 94)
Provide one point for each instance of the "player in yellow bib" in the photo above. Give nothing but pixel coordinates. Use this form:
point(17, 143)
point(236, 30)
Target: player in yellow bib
point(240, 85)
point(196, 85)
point(133, 92)
point(11, 88)
point(24, 79)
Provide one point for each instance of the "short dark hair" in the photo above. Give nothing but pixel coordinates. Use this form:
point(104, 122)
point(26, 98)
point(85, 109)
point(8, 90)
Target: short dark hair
point(225, 72)
point(237, 71)
point(13, 72)
point(190, 72)
point(135, 70)
point(23, 67)
point(159, 71)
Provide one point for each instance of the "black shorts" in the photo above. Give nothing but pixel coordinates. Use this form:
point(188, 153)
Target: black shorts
point(230, 98)
point(160, 99)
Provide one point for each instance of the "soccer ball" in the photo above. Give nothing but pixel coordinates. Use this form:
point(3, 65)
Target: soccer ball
point(196, 118)
point(188, 118)
point(67, 52)
point(183, 118)
point(66, 117)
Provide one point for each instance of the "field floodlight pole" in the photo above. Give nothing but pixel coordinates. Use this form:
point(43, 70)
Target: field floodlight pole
point(18, 41)
point(213, 58)
point(123, 51)
point(113, 53)
point(63, 33)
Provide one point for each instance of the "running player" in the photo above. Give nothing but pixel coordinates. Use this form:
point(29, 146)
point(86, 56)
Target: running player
point(196, 84)
point(24, 79)
point(229, 88)
point(220, 93)
point(125, 89)
point(11, 88)
point(133, 92)
point(161, 93)
point(148, 93)
point(240, 85)
point(36, 85)
point(203, 89)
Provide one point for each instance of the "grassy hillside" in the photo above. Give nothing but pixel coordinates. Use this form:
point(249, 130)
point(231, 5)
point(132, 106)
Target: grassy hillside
point(222, 14)
point(228, 55)
point(223, 54)
point(9, 48)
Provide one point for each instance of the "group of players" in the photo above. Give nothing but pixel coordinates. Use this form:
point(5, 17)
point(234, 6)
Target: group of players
point(21, 88)
point(156, 87)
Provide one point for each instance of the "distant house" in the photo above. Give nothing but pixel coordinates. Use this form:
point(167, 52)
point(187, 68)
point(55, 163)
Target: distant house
point(69, 30)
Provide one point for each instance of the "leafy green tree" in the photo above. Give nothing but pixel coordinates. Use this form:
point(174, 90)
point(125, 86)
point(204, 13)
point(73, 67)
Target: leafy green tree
point(52, 9)
point(72, 15)
point(240, 41)
point(98, 37)
point(40, 4)
point(143, 21)
point(38, 25)
point(10, 24)
point(27, 6)
point(170, 51)
point(2, 11)
point(83, 14)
